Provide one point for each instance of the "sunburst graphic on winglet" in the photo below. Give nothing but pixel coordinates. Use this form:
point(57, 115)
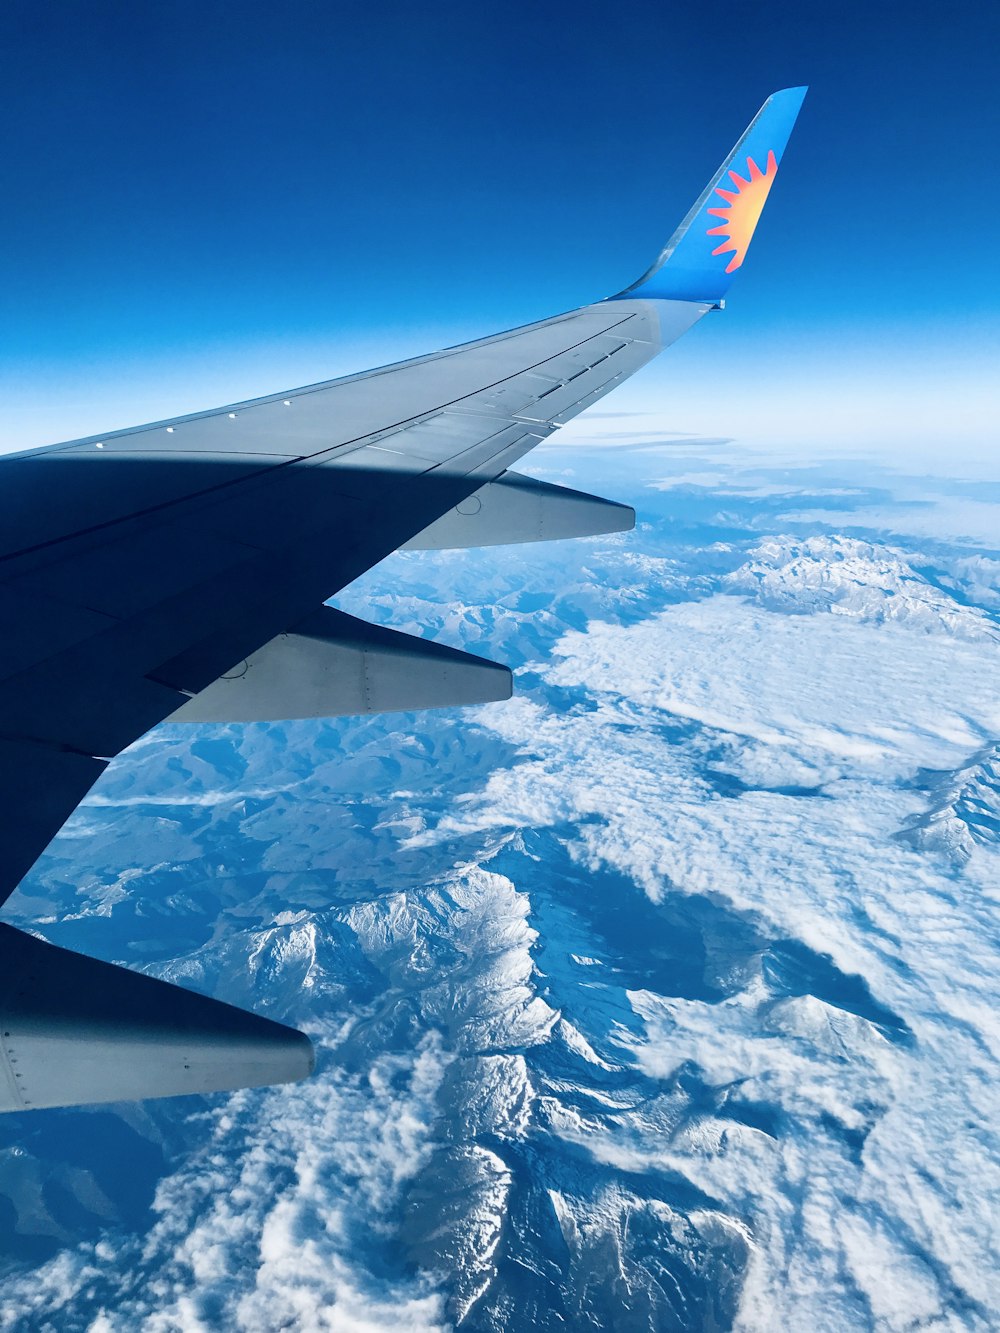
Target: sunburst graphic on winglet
point(744, 205)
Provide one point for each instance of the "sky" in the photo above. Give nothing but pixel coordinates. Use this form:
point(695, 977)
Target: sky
point(212, 202)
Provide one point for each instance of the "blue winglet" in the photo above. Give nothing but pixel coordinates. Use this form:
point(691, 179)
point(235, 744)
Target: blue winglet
point(701, 258)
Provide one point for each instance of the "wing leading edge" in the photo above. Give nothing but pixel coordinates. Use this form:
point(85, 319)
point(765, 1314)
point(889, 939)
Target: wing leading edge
point(181, 568)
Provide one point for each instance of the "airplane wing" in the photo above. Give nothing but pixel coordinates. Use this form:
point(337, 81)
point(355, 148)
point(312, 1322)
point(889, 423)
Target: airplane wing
point(180, 570)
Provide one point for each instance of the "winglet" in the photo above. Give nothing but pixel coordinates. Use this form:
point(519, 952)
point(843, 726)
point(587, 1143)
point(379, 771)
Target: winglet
point(701, 258)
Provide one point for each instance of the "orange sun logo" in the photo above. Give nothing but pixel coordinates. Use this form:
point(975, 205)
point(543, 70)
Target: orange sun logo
point(744, 206)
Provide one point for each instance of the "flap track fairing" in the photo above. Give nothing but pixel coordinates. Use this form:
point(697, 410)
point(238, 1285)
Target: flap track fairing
point(515, 509)
point(75, 1030)
point(331, 665)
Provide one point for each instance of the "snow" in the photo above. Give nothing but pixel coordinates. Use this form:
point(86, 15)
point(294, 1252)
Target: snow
point(669, 987)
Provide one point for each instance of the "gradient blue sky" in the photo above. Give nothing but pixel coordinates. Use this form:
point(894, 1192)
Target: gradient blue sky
point(210, 201)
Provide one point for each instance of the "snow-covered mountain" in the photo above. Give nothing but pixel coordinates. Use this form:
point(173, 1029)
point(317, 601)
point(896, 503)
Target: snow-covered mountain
point(645, 1001)
point(965, 809)
point(853, 578)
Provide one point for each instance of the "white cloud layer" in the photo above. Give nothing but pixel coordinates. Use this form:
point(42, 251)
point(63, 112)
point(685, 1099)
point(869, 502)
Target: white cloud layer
point(266, 1226)
point(873, 1204)
point(808, 748)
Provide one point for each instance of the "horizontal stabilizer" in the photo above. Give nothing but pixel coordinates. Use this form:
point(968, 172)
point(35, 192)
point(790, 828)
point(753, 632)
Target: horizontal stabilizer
point(76, 1030)
point(521, 509)
point(332, 664)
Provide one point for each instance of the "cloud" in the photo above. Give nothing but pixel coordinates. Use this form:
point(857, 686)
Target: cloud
point(869, 1193)
point(269, 1224)
point(775, 1090)
point(287, 1210)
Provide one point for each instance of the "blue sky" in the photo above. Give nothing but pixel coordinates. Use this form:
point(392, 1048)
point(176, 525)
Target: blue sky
point(205, 202)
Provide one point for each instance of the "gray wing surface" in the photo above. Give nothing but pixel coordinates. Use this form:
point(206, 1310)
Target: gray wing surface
point(180, 570)
point(139, 568)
